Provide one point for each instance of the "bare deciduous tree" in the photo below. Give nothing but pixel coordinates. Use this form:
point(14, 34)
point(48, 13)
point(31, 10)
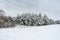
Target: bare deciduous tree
point(2, 13)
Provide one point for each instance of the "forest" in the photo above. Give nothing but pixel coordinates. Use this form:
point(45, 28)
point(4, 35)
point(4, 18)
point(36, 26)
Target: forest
point(27, 19)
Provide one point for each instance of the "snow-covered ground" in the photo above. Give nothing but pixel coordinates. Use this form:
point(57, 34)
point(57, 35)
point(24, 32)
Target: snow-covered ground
point(49, 32)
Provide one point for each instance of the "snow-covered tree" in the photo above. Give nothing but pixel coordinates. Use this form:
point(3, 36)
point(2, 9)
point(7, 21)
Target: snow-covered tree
point(46, 20)
point(57, 21)
point(52, 21)
point(40, 16)
point(29, 19)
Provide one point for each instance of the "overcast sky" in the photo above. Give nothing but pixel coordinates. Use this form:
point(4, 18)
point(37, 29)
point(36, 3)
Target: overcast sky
point(49, 7)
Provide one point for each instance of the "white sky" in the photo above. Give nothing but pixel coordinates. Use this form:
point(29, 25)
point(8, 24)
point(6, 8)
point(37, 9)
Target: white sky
point(49, 7)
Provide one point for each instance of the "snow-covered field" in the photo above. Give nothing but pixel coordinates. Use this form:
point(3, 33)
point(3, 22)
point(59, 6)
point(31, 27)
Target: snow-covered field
point(49, 32)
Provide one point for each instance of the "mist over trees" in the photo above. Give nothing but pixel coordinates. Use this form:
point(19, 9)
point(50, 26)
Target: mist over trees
point(27, 19)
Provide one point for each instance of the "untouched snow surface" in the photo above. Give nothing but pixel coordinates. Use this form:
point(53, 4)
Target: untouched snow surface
point(50, 32)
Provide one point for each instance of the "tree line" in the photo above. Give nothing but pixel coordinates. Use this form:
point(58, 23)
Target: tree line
point(27, 19)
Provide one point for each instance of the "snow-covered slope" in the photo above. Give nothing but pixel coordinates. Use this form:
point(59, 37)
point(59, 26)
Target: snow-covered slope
point(50, 32)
